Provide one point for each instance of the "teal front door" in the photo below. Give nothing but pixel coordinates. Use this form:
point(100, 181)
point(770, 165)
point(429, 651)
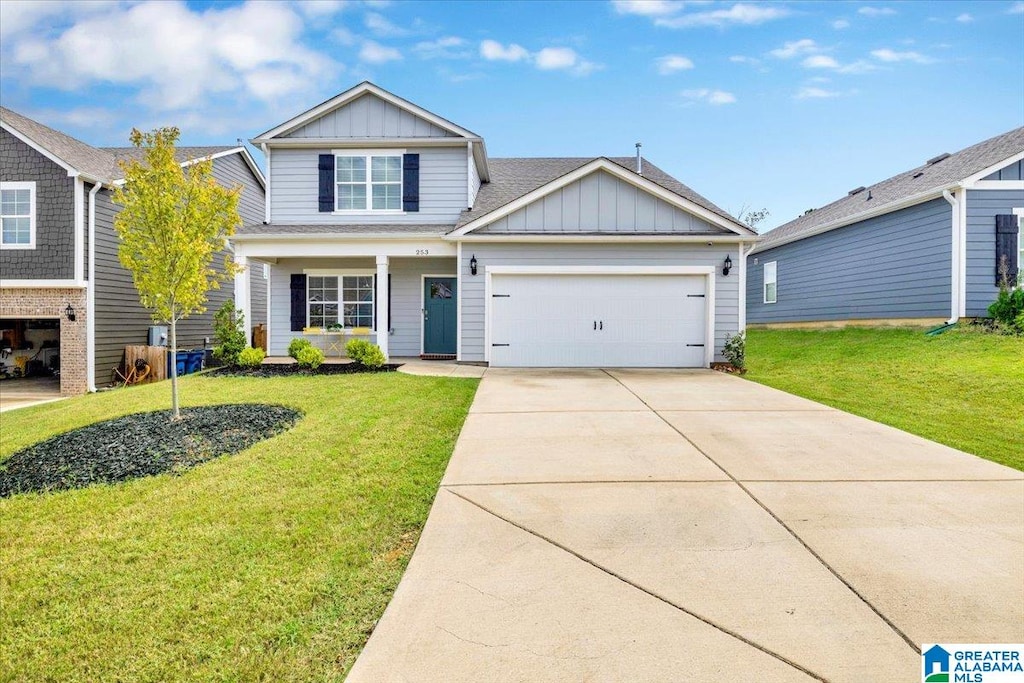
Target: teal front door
point(439, 315)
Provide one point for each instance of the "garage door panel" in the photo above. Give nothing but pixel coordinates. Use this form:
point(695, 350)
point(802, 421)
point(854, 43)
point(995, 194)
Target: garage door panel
point(643, 320)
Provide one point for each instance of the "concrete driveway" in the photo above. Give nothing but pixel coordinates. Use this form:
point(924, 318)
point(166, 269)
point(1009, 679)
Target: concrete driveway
point(687, 525)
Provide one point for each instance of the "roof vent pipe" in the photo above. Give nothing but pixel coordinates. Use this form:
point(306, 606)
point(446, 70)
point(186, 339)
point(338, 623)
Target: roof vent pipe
point(639, 160)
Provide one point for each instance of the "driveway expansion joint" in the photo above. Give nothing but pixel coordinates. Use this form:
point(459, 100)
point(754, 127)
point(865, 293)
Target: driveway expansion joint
point(642, 589)
point(792, 532)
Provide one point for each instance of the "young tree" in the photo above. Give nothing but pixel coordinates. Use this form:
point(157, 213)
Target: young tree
point(751, 218)
point(174, 221)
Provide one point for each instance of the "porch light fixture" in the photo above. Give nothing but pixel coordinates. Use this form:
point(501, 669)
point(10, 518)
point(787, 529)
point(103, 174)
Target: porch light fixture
point(472, 265)
point(69, 313)
point(727, 266)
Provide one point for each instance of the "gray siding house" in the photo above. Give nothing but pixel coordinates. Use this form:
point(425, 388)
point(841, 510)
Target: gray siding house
point(385, 221)
point(923, 247)
point(63, 292)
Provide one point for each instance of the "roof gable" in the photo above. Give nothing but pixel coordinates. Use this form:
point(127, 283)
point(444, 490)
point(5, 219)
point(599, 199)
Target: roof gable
point(349, 114)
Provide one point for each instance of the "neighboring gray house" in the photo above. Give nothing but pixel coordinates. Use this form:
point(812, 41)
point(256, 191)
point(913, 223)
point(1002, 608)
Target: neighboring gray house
point(386, 221)
point(64, 297)
point(922, 247)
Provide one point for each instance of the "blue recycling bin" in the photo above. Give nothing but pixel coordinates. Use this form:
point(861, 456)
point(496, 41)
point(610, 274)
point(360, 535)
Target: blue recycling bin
point(194, 363)
point(181, 361)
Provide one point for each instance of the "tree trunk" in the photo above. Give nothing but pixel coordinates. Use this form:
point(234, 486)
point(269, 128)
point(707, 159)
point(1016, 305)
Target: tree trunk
point(175, 413)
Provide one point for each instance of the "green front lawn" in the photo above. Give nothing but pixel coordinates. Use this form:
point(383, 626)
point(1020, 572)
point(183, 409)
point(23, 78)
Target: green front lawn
point(963, 389)
point(272, 564)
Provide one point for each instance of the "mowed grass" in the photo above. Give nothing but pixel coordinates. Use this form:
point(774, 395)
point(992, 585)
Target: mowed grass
point(963, 389)
point(269, 565)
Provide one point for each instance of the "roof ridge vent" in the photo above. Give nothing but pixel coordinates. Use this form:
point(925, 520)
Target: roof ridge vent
point(935, 160)
point(856, 190)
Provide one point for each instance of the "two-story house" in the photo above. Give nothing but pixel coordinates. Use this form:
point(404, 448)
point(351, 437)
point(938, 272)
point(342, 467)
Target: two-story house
point(66, 303)
point(387, 220)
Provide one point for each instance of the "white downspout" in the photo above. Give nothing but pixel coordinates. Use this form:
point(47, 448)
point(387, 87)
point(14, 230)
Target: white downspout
point(955, 256)
point(90, 301)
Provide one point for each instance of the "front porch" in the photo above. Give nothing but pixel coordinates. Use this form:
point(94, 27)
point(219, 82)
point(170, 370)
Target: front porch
point(407, 305)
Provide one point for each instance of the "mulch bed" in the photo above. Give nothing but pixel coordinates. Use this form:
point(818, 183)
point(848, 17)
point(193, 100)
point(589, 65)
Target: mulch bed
point(140, 445)
point(286, 369)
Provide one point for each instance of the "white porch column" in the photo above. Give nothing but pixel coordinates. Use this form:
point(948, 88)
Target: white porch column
point(381, 305)
point(242, 295)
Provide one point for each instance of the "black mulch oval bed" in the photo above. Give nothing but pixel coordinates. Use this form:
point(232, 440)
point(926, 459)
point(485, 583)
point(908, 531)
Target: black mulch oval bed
point(286, 369)
point(141, 445)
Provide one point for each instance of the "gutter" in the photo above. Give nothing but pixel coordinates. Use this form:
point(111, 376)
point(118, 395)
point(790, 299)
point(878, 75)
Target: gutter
point(90, 294)
point(955, 254)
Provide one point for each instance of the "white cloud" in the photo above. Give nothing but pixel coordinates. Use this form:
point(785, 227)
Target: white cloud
point(820, 62)
point(812, 93)
point(343, 36)
point(379, 25)
point(1016, 8)
point(670, 64)
point(20, 16)
point(556, 58)
point(859, 67)
point(715, 97)
point(795, 48)
point(448, 47)
point(646, 8)
point(840, 24)
point(320, 8)
point(492, 50)
point(374, 53)
point(964, 18)
point(739, 14)
point(177, 56)
point(876, 11)
point(887, 55)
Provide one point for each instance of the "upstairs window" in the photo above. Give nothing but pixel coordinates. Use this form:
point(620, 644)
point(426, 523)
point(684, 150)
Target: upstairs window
point(771, 287)
point(368, 182)
point(18, 215)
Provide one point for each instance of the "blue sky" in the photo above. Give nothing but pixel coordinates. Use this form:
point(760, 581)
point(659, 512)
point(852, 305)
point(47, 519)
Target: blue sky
point(778, 105)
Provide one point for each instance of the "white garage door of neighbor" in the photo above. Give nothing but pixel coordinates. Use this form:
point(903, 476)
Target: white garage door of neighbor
point(545, 320)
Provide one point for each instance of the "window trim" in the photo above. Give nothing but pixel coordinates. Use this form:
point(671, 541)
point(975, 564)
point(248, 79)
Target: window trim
point(29, 185)
point(774, 281)
point(368, 155)
point(1019, 213)
point(341, 274)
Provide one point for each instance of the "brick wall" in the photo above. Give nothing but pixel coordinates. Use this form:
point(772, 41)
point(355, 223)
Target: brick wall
point(50, 303)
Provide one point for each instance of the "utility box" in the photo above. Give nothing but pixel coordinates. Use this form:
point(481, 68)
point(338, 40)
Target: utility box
point(158, 335)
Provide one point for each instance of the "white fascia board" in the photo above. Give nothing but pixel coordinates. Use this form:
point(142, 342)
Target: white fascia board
point(246, 157)
point(997, 185)
point(971, 180)
point(609, 238)
point(601, 270)
point(42, 150)
point(323, 248)
point(600, 164)
point(857, 218)
point(335, 237)
point(353, 94)
point(42, 284)
point(321, 143)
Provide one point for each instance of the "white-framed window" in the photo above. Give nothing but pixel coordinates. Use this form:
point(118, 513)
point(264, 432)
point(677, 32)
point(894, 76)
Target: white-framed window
point(771, 286)
point(18, 215)
point(345, 300)
point(368, 181)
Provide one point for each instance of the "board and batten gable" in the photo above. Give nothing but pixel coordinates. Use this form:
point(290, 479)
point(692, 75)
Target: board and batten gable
point(982, 208)
point(1014, 171)
point(897, 265)
point(294, 188)
point(53, 257)
point(369, 116)
point(599, 203)
point(591, 254)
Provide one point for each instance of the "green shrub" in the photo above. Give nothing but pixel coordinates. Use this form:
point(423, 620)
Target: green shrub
point(735, 350)
point(251, 358)
point(310, 357)
point(356, 349)
point(296, 345)
point(228, 333)
point(1008, 309)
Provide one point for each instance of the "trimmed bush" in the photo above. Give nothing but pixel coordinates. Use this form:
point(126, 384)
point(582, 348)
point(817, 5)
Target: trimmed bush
point(310, 357)
point(296, 345)
point(373, 357)
point(251, 358)
point(356, 349)
point(735, 350)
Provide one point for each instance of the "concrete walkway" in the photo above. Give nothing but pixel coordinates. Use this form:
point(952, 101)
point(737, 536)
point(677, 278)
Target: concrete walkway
point(688, 525)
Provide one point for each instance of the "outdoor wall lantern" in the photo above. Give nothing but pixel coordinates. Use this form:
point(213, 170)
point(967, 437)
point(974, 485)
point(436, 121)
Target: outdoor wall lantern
point(69, 313)
point(727, 266)
point(472, 265)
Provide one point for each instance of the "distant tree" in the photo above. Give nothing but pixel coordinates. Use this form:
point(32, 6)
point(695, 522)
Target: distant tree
point(751, 218)
point(173, 223)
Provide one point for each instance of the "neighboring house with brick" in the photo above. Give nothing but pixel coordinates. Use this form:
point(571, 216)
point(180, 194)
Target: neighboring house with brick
point(65, 300)
point(386, 221)
point(923, 247)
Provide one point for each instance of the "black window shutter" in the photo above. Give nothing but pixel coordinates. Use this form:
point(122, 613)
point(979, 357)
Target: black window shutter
point(1006, 247)
point(326, 168)
point(298, 302)
point(410, 182)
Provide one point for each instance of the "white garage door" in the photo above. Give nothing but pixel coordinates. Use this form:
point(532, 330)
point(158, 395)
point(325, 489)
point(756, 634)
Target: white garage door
point(620, 320)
